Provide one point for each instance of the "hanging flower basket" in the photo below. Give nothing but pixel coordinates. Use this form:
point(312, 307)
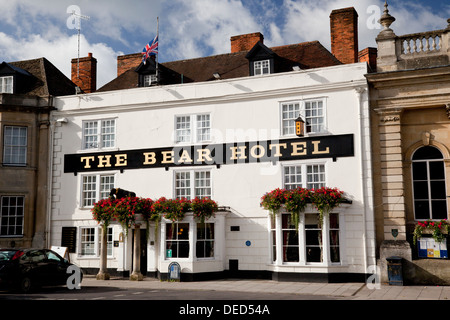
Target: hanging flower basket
point(438, 230)
point(104, 211)
point(126, 210)
point(325, 200)
point(203, 208)
point(171, 209)
point(296, 202)
point(274, 200)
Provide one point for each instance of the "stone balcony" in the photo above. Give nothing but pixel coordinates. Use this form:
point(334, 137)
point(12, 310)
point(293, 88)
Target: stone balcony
point(411, 51)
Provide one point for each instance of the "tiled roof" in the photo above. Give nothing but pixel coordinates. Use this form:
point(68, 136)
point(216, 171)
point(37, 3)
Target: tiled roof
point(45, 79)
point(307, 55)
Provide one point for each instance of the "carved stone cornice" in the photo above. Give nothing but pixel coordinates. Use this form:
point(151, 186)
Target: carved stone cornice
point(392, 115)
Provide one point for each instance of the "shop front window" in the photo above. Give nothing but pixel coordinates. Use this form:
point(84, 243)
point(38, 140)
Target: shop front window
point(177, 240)
point(205, 240)
point(311, 243)
point(290, 239)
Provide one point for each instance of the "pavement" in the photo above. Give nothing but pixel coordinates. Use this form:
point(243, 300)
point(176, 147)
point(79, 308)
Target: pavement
point(345, 291)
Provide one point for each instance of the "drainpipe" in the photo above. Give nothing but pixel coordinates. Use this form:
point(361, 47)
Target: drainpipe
point(50, 177)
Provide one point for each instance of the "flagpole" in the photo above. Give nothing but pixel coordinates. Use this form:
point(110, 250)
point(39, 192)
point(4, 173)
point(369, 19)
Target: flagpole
point(157, 53)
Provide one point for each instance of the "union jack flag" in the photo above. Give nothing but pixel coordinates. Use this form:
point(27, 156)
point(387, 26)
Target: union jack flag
point(150, 49)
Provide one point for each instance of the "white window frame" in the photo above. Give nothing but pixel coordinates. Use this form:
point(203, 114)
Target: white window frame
point(193, 128)
point(192, 178)
point(149, 79)
point(99, 137)
point(428, 181)
point(203, 241)
point(261, 67)
point(287, 124)
point(96, 243)
point(326, 241)
point(98, 191)
point(7, 84)
point(304, 174)
point(17, 216)
point(9, 146)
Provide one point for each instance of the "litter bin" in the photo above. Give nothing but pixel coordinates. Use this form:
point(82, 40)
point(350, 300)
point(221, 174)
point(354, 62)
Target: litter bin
point(395, 271)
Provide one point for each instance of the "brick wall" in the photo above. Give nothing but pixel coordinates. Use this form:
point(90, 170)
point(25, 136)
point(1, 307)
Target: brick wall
point(245, 42)
point(126, 62)
point(85, 76)
point(344, 34)
point(369, 55)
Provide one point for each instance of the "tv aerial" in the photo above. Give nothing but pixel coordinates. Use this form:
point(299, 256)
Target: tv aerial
point(77, 16)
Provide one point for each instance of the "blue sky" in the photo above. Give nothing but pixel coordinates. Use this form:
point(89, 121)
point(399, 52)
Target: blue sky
point(188, 28)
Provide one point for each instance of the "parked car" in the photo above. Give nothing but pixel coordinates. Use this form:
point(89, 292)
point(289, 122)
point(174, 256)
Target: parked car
point(26, 269)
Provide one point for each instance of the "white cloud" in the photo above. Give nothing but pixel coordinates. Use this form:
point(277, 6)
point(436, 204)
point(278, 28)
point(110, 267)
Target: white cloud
point(31, 29)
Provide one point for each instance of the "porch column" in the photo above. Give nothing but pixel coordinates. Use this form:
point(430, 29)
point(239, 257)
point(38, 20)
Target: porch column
point(103, 272)
point(136, 275)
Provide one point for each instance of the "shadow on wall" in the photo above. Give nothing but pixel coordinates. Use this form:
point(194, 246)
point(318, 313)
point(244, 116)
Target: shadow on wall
point(427, 272)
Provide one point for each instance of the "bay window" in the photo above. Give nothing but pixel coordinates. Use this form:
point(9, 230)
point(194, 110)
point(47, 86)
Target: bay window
point(311, 243)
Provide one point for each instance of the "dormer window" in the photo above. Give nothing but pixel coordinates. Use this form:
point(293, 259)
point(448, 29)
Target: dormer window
point(149, 79)
point(261, 60)
point(6, 84)
point(261, 67)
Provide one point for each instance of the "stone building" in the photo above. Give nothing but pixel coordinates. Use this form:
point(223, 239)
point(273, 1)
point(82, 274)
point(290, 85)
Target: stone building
point(26, 100)
point(410, 96)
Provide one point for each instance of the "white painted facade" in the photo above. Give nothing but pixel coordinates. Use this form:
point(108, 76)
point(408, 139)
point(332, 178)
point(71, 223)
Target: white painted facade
point(243, 109)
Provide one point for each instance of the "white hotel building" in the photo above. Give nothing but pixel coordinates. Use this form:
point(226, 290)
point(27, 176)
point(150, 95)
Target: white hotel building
point(232, 139)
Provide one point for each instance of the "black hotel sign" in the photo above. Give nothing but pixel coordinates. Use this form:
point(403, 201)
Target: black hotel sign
point(214, 154)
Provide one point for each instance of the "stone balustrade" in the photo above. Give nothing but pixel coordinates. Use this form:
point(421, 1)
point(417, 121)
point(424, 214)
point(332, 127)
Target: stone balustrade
point(422, 43)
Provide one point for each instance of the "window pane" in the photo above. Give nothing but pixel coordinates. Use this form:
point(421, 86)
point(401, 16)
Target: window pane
point(437, 189)
point(183, 129)
point(15, 145)
point(11, 215)
point(88, 241)
point(420, 171)
point(290, 239)
point(439, 209)
point(203, 127)
point(90, 134)
point(422, 209)
point(89, 190)
point(292, 177)
point(183, 185)
point(313, 235)
point(420, 190)
point(108, 133)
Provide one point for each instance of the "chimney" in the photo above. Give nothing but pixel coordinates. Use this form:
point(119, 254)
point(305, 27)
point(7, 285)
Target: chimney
point(126, 62)
point(369, 55)
point(84, 75)
point(344, 34)
point(245, 42)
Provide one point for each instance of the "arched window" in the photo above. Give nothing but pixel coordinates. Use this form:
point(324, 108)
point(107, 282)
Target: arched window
point(429, 192)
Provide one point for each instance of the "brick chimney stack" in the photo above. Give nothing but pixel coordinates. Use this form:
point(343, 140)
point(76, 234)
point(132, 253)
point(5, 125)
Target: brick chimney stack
point(245, 42)
point(128, 61)
point(344, 34)
point(85, 76)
